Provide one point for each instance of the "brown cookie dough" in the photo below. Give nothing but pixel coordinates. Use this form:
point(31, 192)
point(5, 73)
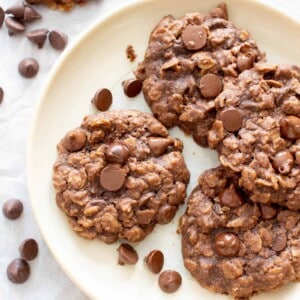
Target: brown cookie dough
point(257, 132)
point(187, 62)
point(234, 246)
point(118, 175)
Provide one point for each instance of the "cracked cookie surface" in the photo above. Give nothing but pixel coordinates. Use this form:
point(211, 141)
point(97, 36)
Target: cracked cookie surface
point(118, 175)
point(236, 247)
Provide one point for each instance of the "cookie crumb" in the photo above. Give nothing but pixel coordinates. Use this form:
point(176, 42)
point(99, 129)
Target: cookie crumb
point(130, 53)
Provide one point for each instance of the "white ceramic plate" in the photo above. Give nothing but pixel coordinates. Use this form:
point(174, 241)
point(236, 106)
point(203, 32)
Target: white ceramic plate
point(98, 60)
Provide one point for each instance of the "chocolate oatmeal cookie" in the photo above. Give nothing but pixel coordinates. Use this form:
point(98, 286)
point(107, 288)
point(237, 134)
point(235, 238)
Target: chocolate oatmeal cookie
point(187, 62)
point(257, 133)
point(58, 4)
point(234, 246)
point(118, 175)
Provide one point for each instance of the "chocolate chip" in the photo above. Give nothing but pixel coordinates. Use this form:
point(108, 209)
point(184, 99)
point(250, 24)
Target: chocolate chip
point(155, 261)
point(232, 119)
point(279, 241)
point(283, 162)
point(28, 67)
point(194, 37)
point(210, 85)
point(267, 212)
point(30, 14)
point(231, 197)
point(102, 99)
point(14, 25)
point(127, 255)
point(158, 145)
point(29, 249)
point(58, 39)
point(12, 209)
point(37, 37)
point(227, 244)
point(17, 10)
point(2, 16)
point(290, 127)
point(112, 178)
point(132, 87)
point(1, 94)
point(116, 153)
point(245, 61)
point(75, 140)
point(169, 281)
point(165, 214)
point(18, 271)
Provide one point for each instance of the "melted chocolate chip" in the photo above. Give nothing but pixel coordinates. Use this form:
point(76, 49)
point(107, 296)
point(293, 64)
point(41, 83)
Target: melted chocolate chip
point(12, 209)
point(18, 271)
point(245, 61)
point(102, 99)
point(227, 244)
point(132, 87)
point(169, 281)
point(232, 119)
point(158, 145)
point(165, 214)
point(231, 197)
point(29, 249)
point(283, 162)
point(127, 255)
point(290, 127)
point(155, 261)
point(75, 140)
point(194, 37)
point(116, 153)
point(112, 178)
point(210, 85)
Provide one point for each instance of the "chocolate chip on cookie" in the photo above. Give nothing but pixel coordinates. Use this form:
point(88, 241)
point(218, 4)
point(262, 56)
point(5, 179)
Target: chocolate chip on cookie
point(210, 85)
point(158, 145)
point(116, 153)
point(227, 244)
point(231, 197)
point(290, 127)
point(75, 140)
point(232, 119)
point(112, 178)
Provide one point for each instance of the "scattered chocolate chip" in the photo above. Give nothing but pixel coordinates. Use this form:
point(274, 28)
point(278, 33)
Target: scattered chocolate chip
point(130, 53)
point(132, 87)
point(18, 271)
point(267, 212)
point(194, 37)
point(231, 197)
point(283, 162)
point(127, 255)
point(245, 61)
point(75, 140)
point(14, 26)
point(210, 85)
point(112, 178)
point(155, 261)
point(12, 209)
point(158, 145)
point(2, 16)
point(116, 153)
point(29, 249)
point(169, 281)
point(165, 214)
point(290, 127)
point(1, 94)
point(28, 67)
point(232, 119)
point(279, 242)
point(102, 99)
point(30, 14)
point(58, 39)
point(227, 244)
point(17, 10)
point(37, 37)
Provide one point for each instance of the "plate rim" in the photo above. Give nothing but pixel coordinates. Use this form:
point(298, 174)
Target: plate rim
point(41, 98)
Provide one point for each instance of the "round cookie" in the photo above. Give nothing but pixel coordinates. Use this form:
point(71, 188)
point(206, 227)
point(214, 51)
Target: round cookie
point(118, 175)
point(187, 62)
point(257, 133)
point(236, 247)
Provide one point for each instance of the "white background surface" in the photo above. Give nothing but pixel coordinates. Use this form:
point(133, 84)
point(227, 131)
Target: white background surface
point(47, 281)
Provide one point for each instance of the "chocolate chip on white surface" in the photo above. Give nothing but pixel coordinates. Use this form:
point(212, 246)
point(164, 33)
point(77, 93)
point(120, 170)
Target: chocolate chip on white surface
point(12, 209)
point(30, 14)
point(1, 95)
point(127, 255)
point(17, 10)
point(28, 67)
point(2, 16)
point(18, 270)
point(58, 39)
point(29, 249)
point(38, 37)
point(14, 26)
